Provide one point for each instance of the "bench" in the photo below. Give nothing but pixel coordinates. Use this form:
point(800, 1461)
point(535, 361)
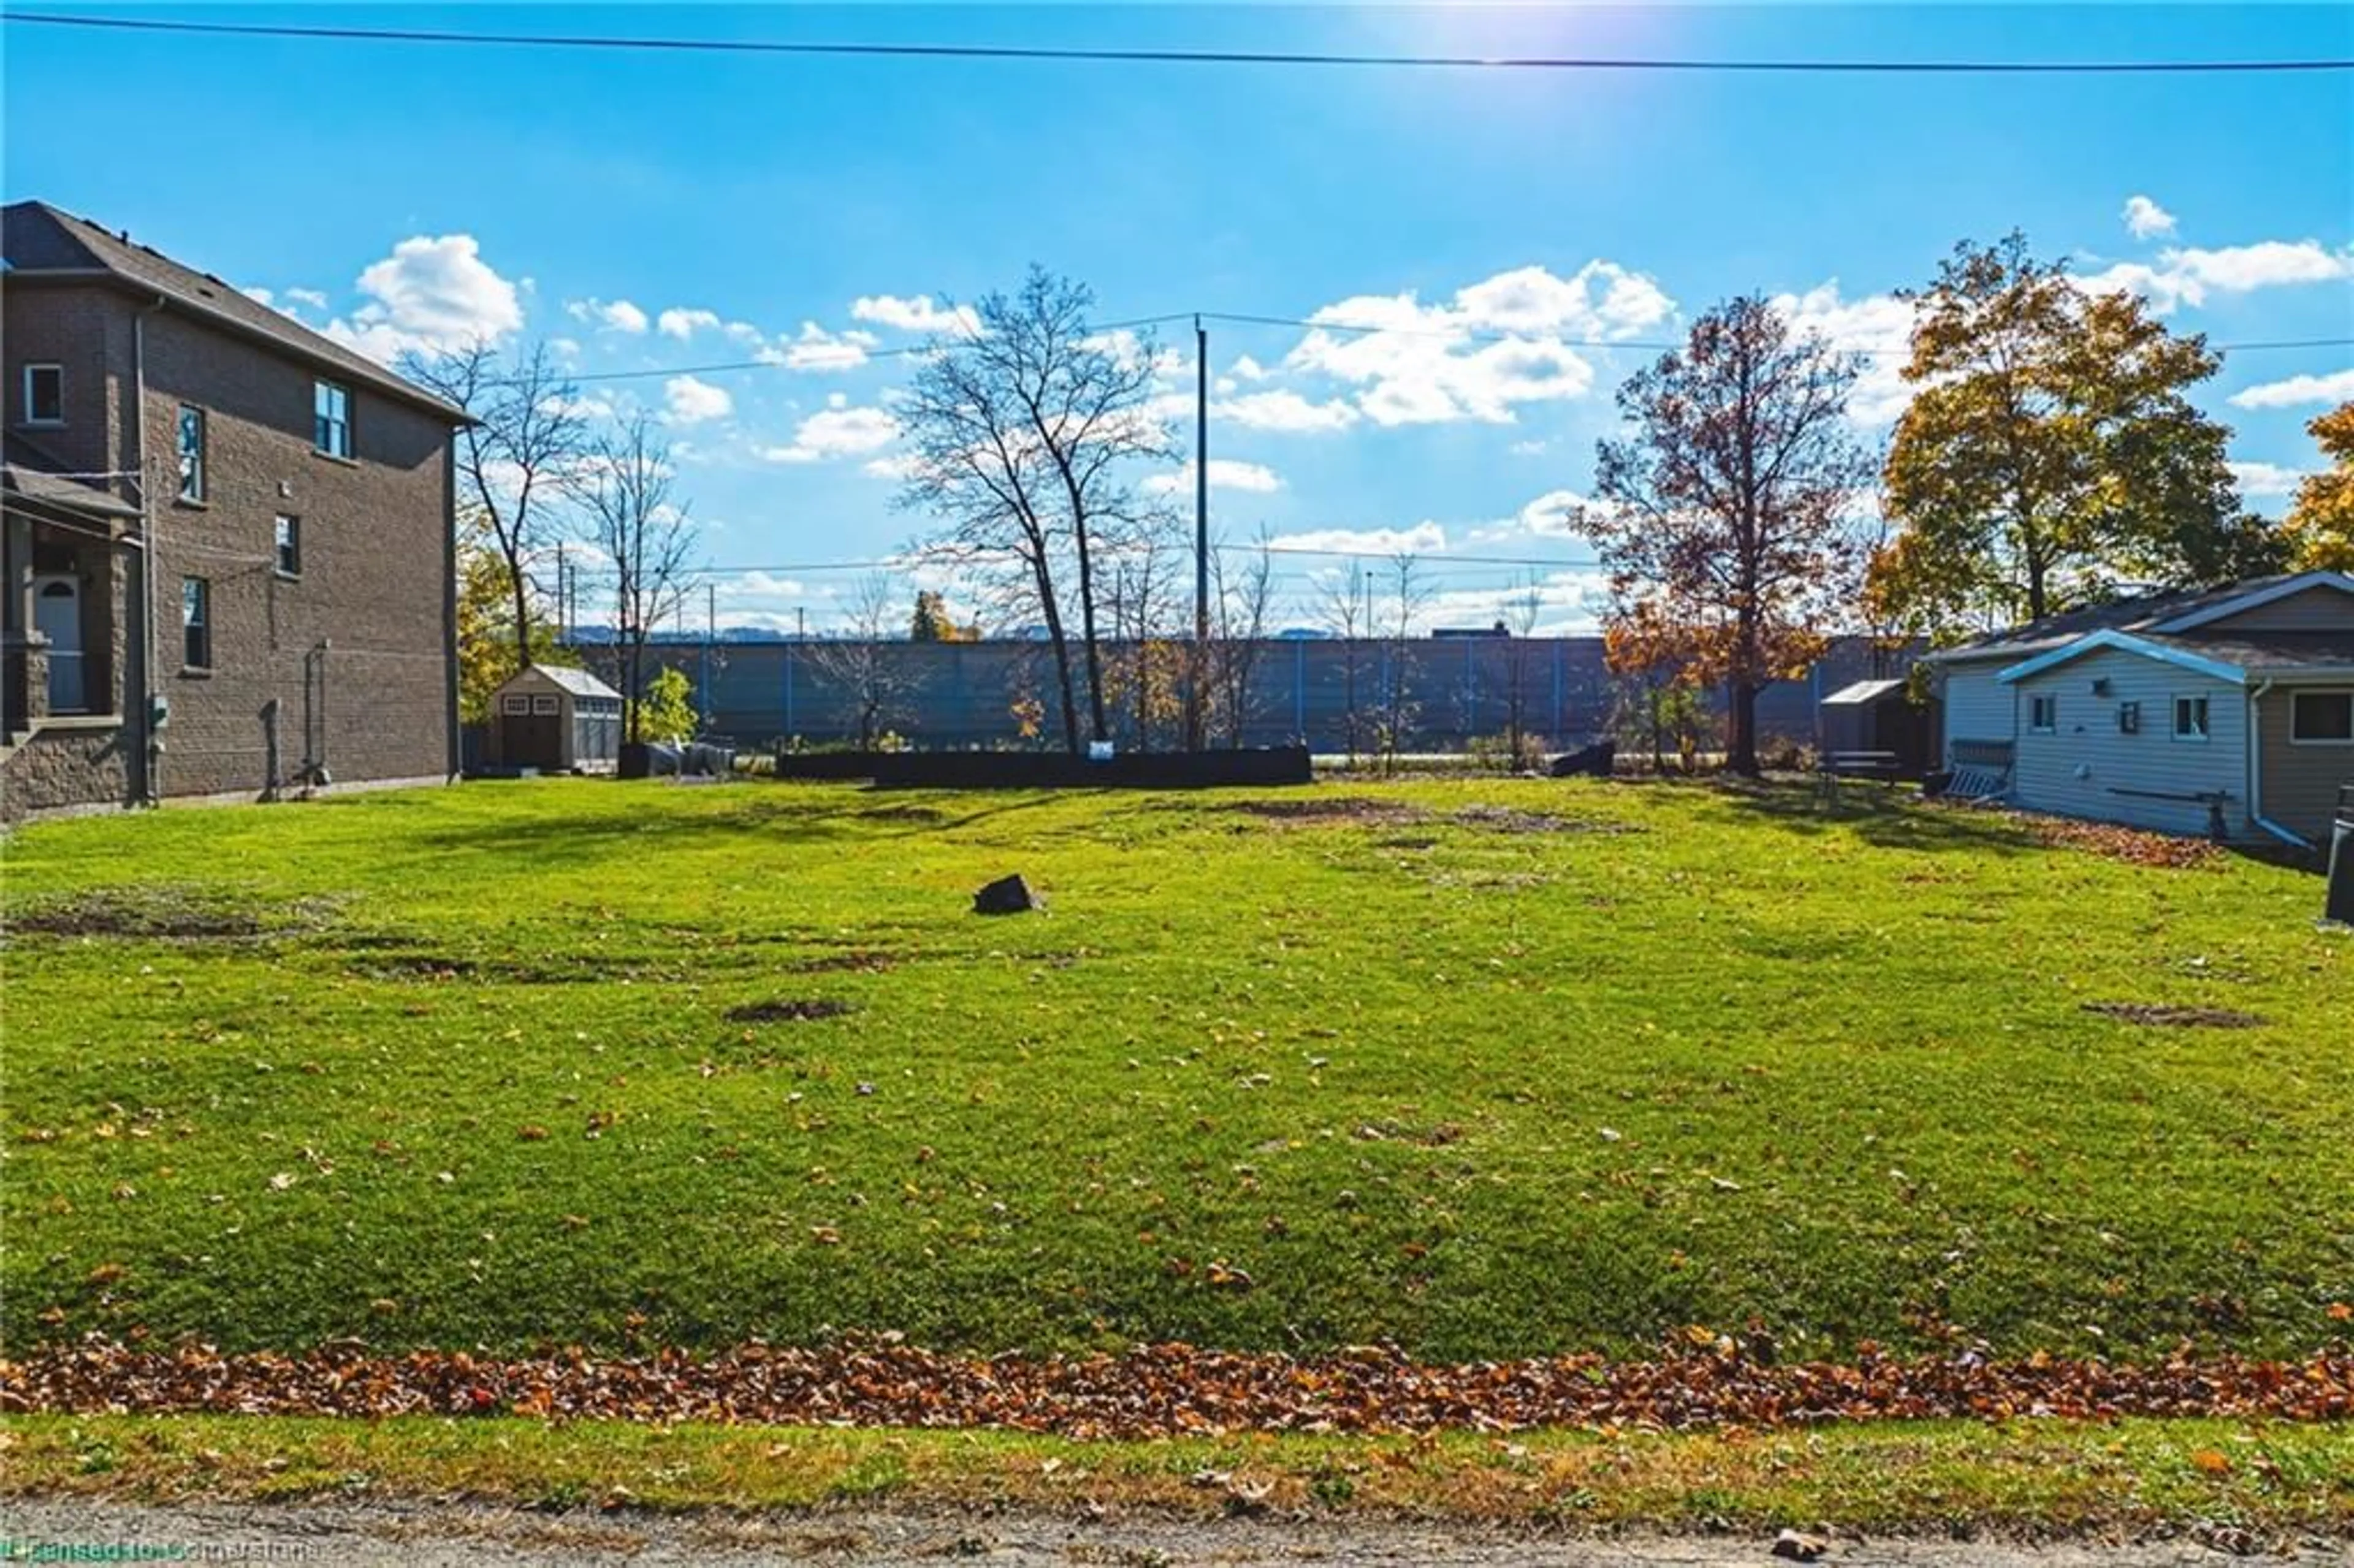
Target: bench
point(1834, 766)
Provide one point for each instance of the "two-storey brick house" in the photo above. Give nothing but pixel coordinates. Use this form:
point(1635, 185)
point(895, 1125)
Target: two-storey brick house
point(229, 564)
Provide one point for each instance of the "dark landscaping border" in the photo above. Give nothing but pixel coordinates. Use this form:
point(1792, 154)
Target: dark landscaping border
point(1258, 766)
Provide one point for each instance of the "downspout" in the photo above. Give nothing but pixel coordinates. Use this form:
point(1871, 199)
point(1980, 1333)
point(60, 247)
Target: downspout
point(2256, 772)
point(456, 761)
point(151, 751)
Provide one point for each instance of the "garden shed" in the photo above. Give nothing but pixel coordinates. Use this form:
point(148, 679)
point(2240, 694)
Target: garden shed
point(1879, 716)
point(556, 720)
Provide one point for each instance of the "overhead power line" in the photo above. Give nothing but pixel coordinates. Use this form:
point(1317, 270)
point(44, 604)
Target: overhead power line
point(1456, 334)
point(1185, 56)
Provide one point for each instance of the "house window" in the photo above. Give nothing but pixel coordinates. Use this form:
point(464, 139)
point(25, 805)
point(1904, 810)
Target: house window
point(196, 622)
point(2129, 719)
point(330, 418)
point(516, 703)
point(545, 704)
point(2043, 714)
point(44, 395)
point(289, 543)
point(192, 452)
point(2321, 718)
point(2190, 718)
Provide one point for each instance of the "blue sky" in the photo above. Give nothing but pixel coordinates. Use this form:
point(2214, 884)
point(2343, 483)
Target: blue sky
point(401, 195)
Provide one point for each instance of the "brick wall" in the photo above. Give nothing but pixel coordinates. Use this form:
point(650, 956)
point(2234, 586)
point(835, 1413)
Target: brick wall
point(350, 646)
point(76, 764)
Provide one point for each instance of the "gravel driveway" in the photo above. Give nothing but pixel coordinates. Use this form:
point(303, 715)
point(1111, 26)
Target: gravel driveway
point(424, 1535)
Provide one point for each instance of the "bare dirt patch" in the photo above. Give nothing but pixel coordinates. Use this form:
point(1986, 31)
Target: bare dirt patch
point(2167, 1017)
point(1506, 819)
point(918, 814)
point(168, 913)
point(787, 1009)
point(853, 960)
point(1361, 810)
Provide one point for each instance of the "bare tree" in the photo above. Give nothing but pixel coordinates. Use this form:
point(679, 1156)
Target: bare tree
point(1346, 605)
point(866, 662)
point(626, 489)
point(1026, 438)
point(1396, 713)
point(1520, 612)
point(1238, 609)
point(517, 459)
point(1148, 665)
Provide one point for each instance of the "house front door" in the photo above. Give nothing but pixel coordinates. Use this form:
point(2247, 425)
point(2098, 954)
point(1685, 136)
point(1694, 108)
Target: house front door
point(57, 615)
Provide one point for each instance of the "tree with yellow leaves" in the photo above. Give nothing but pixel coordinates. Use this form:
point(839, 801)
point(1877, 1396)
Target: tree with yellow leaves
point(2320, 523)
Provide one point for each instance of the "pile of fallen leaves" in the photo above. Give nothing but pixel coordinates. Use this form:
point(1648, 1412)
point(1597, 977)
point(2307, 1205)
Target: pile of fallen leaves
point(1168, 1390)
point(2131, 846)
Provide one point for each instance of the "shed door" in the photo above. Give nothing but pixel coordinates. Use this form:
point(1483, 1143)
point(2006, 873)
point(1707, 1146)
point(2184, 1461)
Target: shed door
point(529, 739)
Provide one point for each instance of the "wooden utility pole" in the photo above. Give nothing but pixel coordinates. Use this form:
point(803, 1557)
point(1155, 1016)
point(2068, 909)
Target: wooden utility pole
point(1195, 708)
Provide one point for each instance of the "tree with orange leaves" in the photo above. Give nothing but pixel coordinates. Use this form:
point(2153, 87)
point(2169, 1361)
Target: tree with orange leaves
point(1725, 518)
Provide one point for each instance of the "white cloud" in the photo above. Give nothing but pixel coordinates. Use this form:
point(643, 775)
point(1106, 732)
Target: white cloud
point(1285, 411)
point(259, 296)
point(1421, 540)
point(2145, 219)
point(618, 316)
point(2266, 478)
point(1602, 299)
point(584, 405)
point(2188, 276)
point(834, 432)
point(1528, 448)
point(2336, 387)
point(1880, 322)
point(918, 314)
point(683, 324)
point(1552, 516)
point(1432, 364)
point(431, 294)
point(818, 349)
point(1225, 474)
point(1569, 602)
point(692, 401)
point(311, 297)
point(1246, 368)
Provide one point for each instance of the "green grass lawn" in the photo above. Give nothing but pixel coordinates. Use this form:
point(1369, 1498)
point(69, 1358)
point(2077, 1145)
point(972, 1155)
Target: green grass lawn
point(1254, 1082)
point(2036, 1477)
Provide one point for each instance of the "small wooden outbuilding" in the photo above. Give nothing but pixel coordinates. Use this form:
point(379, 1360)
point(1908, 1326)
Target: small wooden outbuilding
point(556, 720)
point(1878, 716)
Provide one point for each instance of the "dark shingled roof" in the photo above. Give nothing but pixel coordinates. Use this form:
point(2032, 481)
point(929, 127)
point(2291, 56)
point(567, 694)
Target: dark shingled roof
point(2135, 615)
point(2259, 651)
point(37, 237)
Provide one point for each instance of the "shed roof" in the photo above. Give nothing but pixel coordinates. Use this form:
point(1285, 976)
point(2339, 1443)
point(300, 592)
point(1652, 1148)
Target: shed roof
point(578, 683)
point(37, 239)
point(1860, 692)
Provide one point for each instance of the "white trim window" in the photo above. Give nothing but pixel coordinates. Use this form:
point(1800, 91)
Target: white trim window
point(331, 417)
point(191, 438)
point(44, 395)
point(2321, 718)
point(286, 542)
point(2043, 714)
point(196, 622)
point(516, 703)
point(2190, 719)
